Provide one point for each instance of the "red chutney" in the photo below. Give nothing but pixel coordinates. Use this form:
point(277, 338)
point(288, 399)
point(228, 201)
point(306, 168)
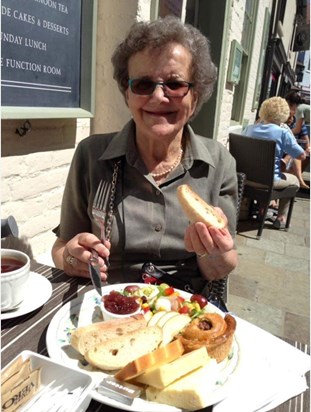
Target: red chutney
point(119, 304)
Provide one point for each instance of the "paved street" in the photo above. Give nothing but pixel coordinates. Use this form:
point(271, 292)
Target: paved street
point(271, 285)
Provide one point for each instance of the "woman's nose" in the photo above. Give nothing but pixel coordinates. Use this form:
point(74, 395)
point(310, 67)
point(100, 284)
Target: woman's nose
point(159, 92)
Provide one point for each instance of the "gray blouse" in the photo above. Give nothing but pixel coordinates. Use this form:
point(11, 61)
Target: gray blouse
point(148, 222)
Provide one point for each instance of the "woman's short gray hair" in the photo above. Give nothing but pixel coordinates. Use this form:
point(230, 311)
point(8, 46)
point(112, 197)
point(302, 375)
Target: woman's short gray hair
point(157, 34)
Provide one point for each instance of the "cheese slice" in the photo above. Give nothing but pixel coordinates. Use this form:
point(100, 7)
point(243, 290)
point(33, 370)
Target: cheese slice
point(164, 375)
point(146, 362)
point(191, 392)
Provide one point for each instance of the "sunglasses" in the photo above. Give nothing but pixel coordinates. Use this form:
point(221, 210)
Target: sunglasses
point(171, 88)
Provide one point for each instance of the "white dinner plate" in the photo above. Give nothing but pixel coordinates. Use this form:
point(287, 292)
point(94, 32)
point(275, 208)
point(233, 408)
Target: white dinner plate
point(85, 310)
point(39, 291)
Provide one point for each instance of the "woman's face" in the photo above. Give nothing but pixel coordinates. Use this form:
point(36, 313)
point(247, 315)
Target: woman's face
point(158, 116)
point(293, 108)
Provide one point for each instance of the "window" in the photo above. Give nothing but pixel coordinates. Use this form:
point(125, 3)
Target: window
point(250, 13)
point(282, 10)
point(264, 43)
point(162, 8)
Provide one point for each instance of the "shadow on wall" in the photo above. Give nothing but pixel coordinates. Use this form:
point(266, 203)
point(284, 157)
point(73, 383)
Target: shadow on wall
point(41, 136)
point(17, 243)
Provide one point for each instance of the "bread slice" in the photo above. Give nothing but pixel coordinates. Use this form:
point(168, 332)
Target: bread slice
point(165, 354)
point(85, 337)
point(196, 209)
point(191, 392)
point(116, 353)
point(163, 375)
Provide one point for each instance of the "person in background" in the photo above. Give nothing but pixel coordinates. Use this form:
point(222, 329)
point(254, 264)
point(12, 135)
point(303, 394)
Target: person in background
point(300, 131)
point(165, 72)
point(273, 112)
point(302, 113)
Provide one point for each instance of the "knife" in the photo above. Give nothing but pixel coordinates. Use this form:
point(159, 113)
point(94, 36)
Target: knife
point(94, 270)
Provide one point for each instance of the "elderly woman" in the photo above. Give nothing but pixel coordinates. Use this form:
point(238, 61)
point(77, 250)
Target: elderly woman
point(165, 73)
point(272, 114)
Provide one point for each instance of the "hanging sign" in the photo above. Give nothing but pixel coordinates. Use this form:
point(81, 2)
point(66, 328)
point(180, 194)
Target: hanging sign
point(40, 53)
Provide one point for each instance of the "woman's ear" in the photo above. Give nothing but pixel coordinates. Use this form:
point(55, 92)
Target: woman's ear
point(126, 95)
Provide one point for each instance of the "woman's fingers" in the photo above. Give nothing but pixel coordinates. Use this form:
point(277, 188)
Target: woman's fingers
point(202, 239)
point(77, 254)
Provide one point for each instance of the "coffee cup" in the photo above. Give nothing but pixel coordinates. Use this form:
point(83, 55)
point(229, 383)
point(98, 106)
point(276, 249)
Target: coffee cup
point(15, 269)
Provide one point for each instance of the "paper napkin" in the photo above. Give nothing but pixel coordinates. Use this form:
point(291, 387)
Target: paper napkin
point(269, 372)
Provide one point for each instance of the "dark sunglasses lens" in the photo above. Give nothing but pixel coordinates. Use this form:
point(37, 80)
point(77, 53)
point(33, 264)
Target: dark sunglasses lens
point(143, 87)
point(176, 85)
point(177, 88)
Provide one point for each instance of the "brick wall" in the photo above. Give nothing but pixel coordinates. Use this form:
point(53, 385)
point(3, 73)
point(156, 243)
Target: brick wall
point(34, 170)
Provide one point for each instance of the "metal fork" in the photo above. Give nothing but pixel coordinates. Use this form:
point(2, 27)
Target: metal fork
point(98, 209)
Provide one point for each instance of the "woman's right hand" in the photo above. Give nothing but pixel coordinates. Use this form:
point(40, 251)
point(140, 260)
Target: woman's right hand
point(74, 256)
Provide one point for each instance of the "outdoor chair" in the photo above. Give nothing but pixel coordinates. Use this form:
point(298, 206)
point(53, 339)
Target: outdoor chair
point(256, 158)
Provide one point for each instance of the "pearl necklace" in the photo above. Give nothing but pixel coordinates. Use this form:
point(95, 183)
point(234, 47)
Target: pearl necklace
point(171, 168)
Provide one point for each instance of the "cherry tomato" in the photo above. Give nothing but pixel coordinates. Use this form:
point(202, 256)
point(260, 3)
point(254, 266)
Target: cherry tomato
point(184, 309)
point(168, 291)
point(201, 300)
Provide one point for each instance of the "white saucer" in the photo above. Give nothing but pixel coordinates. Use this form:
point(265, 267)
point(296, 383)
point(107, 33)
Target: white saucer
point(39, 291)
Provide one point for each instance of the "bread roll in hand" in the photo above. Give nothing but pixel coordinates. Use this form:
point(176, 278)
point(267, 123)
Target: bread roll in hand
point(197, 210)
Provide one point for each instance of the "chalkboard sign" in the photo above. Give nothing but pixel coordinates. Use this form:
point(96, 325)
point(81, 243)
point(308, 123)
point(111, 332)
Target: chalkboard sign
point(41, 44)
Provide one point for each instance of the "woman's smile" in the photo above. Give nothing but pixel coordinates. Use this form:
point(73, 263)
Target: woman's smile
point(157, 114)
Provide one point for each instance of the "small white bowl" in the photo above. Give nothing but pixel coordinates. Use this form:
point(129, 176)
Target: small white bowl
point(110, 315)
point(13, 282)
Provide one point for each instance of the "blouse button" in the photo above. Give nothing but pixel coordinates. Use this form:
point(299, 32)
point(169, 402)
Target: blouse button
point(158, 227)
point(158, 192)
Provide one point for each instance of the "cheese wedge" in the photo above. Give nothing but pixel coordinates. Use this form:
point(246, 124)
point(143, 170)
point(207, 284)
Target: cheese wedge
point(164, 375)
point(191, 392)
point(158, 357)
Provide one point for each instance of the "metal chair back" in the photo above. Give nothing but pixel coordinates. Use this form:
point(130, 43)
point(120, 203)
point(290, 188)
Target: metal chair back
point(256, 158)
